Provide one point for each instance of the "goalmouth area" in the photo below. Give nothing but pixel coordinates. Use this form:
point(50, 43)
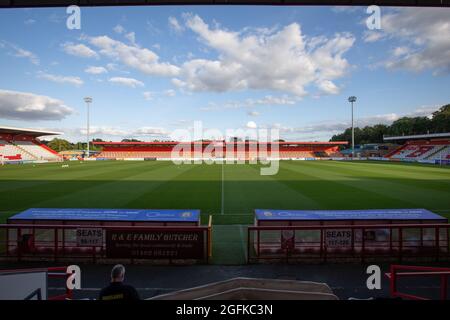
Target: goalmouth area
point(228, 192)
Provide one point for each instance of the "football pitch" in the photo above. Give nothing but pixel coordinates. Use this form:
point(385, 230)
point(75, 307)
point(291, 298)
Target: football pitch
point(229, 192)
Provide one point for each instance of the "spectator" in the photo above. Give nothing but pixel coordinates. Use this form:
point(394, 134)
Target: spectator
point(116, 289)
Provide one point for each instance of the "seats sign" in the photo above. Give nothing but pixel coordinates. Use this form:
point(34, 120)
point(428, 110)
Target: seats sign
point(338, 238)
point(89, 237)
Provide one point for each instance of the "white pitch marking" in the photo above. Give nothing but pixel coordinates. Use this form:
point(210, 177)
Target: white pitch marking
point(223, 192)
point(243, 242)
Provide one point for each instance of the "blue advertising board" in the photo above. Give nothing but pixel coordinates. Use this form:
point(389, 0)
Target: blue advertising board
point(373, 214)
point(132, 215)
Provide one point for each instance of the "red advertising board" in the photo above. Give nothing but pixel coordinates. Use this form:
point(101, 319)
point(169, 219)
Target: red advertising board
point(155, 244)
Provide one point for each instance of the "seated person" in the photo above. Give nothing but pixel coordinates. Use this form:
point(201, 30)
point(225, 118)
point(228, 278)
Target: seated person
point(116, 289)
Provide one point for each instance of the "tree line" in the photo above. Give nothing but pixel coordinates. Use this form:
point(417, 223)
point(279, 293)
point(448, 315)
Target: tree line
point(58, 144)
point(438, 122)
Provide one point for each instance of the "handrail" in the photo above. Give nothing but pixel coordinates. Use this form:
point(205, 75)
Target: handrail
point(210, 236)
point(443, 273)
point(396, 242)
point(63, 247)
point(52, 272)
point(353, 226)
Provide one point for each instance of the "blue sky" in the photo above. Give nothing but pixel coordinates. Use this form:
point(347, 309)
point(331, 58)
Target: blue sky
point(152, 70)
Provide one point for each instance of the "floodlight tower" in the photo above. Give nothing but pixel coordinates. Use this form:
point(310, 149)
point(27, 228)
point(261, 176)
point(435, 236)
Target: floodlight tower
point(351, 100)
point(88, 101)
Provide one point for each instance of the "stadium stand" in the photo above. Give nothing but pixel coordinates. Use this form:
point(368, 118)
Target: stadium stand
point(442, 153)
point(23, 145)
point(431, 148)
point(377, 149)
point(236, 150)
point(423, 150)
point(9, 151)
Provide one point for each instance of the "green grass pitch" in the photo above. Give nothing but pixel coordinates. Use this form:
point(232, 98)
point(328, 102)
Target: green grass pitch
point(229, 192)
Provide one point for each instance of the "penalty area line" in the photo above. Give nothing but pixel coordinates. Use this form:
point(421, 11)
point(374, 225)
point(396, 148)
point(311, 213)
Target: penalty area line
point(222, 205)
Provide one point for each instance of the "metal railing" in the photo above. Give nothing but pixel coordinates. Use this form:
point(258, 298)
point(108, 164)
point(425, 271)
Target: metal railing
point(397, 271)
point(23, 242)
point(60, 272)
point(393, 241)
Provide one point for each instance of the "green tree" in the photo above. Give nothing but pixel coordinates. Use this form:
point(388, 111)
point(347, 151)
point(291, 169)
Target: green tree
point(441, 119)
point(60, 145)
point(439, 122)
point(131, 140)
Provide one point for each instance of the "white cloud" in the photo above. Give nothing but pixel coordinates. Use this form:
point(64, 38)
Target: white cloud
point(79, 50)
point(57, 17)
point(181, 122)
point(271, 100)
point(111, 66)
point(296, 60)
point(149, 131)
point(300, 61)
point(328, 87)
point(251, 125)
point(27, 106)
point(61, 79)
point(29, 21)
point(152, 28)
point(345, 9)
point(426, 32)
point(253, 113)
point(388, 118)
point(129, 82)
point(169, 93)
point(424, 111)
point(104, 130)
point(95, 70)
point(131, 36)
point(400, 51)
point(20, 52)
point(312, 132)
point(268, 100)
point(148, 95)
point(175, 25)
point(326, 129)
point(121, 132)
point(119, 29)
point(134, 56)
point(372, 36)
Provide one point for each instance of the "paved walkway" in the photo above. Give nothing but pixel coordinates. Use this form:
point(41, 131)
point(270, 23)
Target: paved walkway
point(346, 280)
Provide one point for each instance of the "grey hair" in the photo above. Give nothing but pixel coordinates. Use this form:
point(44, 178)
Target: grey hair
point(117, 271)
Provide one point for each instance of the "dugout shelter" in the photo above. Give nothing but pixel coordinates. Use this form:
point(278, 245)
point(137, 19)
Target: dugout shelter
point(108, 217)
point(272, 217)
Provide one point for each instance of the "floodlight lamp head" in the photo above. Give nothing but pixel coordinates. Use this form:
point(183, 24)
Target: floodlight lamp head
point(352, 99)
point(88, 99)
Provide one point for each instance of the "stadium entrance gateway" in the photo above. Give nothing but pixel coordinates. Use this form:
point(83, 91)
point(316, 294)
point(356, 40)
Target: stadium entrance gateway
point(102, 234)
point(347, 234)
